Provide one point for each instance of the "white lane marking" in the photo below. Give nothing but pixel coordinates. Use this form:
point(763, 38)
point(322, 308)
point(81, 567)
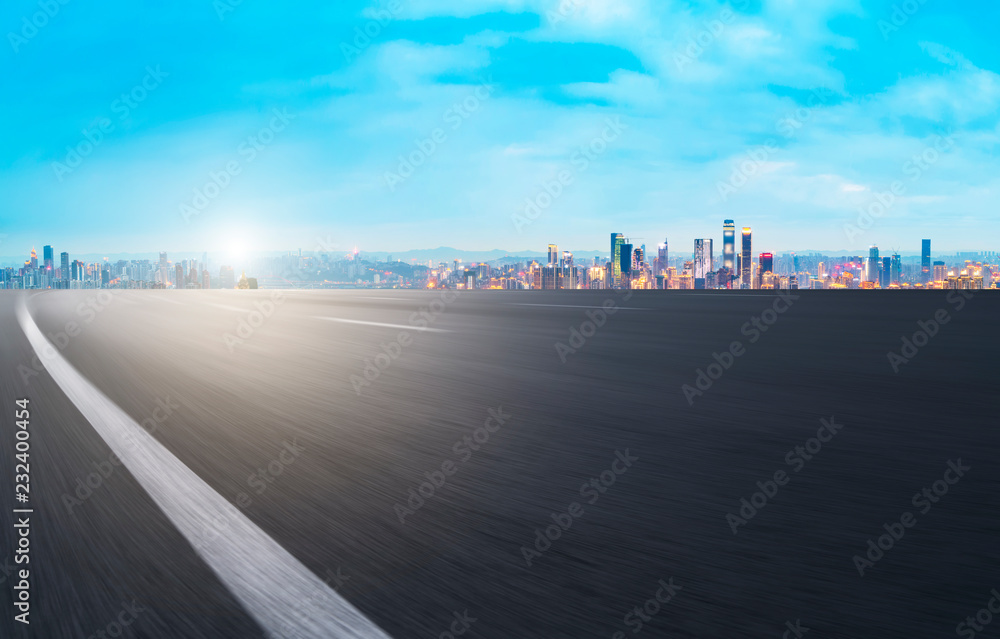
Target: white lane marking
point(403, 326)
point(620, 308)
point(229, 308)
point(284, 596)
point(391, 299)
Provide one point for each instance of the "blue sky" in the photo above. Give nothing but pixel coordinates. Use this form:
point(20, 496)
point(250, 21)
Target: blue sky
point(797, 118)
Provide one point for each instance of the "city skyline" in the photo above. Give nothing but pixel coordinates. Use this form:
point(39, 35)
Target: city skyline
point(626, 265)
point(450, 122)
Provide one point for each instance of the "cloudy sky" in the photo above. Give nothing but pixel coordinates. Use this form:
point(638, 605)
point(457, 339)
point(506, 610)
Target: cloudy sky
point(482, 124)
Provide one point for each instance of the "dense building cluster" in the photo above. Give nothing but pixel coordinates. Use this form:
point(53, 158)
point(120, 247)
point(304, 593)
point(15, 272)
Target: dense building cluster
point(625, 266)
point(130, 274)
point(629, 267)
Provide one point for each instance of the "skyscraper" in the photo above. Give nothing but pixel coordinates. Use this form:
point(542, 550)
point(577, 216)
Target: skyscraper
point(925, 261)
point(766, 263)
point(626, 259)
point(940, 272)
point(662, 258)
point(617, 241)
point(64, 267)
point(164, 275)
point(729, 245)
point(553, 255)
point(745, 258)
point(872, 265)
point(48, 258)
point(885, 277)
point(895, 276)
point(702, 258)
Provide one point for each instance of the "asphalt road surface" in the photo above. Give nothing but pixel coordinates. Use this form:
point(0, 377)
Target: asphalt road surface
point(505, 465)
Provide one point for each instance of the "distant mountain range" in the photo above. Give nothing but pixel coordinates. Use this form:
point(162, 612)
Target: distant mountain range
point(420, 256)
point(449, 254)
point(445, 254)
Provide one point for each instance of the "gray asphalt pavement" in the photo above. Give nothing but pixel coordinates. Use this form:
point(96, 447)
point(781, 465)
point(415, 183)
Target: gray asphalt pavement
point(507, 464)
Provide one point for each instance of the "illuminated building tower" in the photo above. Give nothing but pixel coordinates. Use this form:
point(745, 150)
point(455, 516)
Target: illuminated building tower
point(551, 277)
point(243, 284)
point(64, 266)
point(872, 265)
point(896, 269)
point(626, 260)
point(940, 272)
point(765, 267)
point(47, 257)
point(567, 259)
point(662, 258)
point(729, 245)
point(746, 261)
point(925, 261)
point(553, 254)
point(33, 263)
point(821, 270)
point(885, 277)
point(767, 262)
point(638, 258)
point(615, 274)
point(702, 258)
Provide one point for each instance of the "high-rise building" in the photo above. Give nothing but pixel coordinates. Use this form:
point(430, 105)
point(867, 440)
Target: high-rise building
point(553, 255)
point(896, 270)
point(64, 268)
point(662, 258)
point(872, 265)
point(567, 259)
point(179, 275)
point(164, 265)
point(626, 259)
point(940, 272)
point(702, 258)
point(552, 277)
point(729, 245)
point(766, 263)
point(33, 262)
point(765, 271)
point(925, 261)
point(885, 276)
point(48, 258)
point(746, 260)
point(615, 275)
